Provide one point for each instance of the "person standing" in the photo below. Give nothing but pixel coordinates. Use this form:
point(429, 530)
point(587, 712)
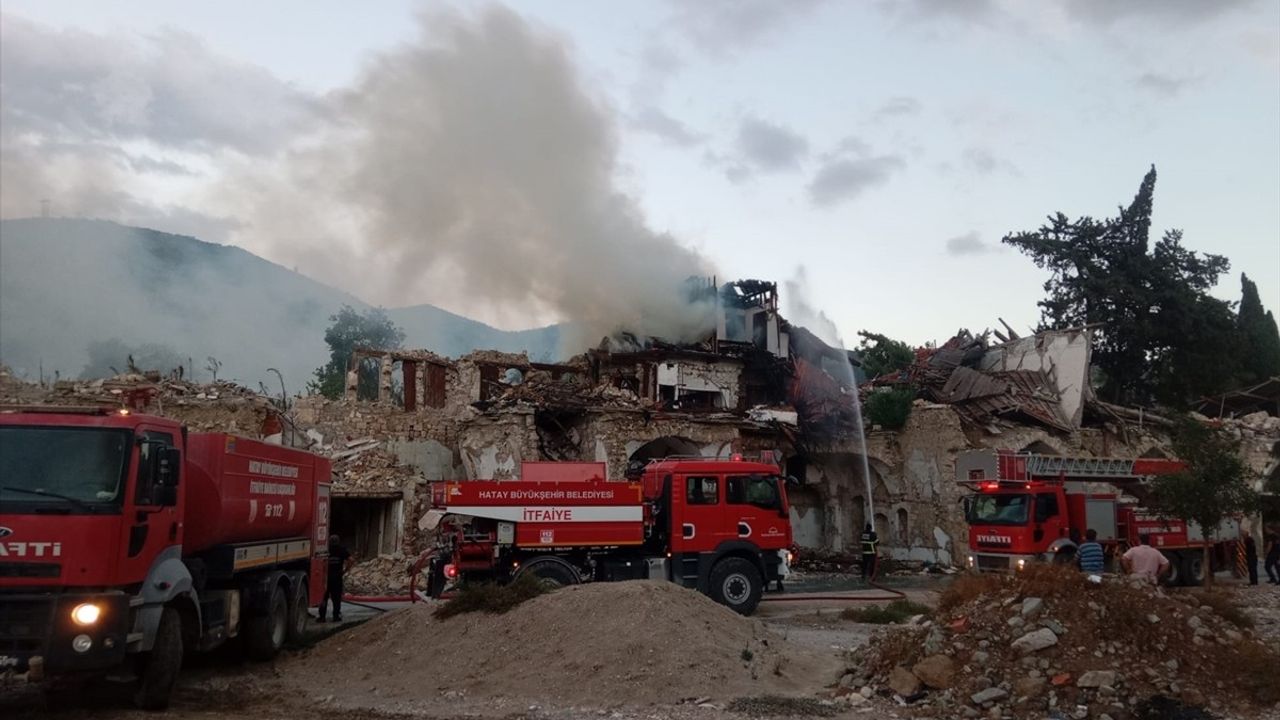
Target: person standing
point(1089, 555)
point(1251, 556)
point(869, 543)
point(1145, 561)
point(1273, 558)
point(339, 561)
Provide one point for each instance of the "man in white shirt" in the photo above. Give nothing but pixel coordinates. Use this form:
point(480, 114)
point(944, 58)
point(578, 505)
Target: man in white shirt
point(1145, 561)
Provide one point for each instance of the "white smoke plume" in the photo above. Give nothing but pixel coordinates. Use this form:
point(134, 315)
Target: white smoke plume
point(473, 170)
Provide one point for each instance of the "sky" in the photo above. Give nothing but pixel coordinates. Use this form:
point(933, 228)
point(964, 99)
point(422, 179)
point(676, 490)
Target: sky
point(548, 160)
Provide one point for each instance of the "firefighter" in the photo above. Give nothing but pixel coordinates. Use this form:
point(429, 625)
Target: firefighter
point(339, 561)
point(1273, 558)
point(869, 543)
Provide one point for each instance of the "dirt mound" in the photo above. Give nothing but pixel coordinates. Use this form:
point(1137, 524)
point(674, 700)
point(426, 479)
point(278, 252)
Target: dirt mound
point(625, 643)
point(1051, 641)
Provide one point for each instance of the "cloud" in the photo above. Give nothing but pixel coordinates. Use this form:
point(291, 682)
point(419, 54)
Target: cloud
point(844, 179)
point(722, 27)
point(983, 161)
point(73, 100)
point(1165, 12)
point(968, 244)
point(976, 11)
point(168, 88)
point(769, 147)
point(898, 107)
point(654, 121)
point(1159, 84)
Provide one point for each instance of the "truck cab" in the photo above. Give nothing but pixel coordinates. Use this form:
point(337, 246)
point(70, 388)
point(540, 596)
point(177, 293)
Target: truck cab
point(125, 542)
point(1011, 526)
point(727, 525)
point(88, 504)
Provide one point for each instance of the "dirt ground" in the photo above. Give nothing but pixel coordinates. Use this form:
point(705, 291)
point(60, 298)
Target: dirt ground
point(219, 688)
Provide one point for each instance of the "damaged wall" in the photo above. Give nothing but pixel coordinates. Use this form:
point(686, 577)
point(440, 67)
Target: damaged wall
point(1063, 354)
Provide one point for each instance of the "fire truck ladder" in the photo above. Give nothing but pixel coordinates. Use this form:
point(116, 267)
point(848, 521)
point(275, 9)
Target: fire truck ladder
point(1052, 466)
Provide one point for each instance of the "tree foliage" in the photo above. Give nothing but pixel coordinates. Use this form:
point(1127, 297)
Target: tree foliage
point(1216, 484)
point(1259, 335)
point(890, 407)
point(347, 331)
point(881, 355)
point(1160, 335)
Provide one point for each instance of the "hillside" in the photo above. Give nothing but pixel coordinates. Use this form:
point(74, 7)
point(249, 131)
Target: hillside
point(66, 284)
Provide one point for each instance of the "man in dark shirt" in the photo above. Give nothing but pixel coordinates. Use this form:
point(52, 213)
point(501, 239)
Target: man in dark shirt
point(1090, 556)
point(339, 561)
point(869, 543)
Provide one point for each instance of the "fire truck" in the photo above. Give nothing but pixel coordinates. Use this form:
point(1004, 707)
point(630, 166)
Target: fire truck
point(1029, 507)
point(126, 541)
point(721, 527)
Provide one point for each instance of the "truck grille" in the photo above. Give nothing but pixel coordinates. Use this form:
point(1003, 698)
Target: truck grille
point(24, 623)
point(993, 562)
point(30, 570)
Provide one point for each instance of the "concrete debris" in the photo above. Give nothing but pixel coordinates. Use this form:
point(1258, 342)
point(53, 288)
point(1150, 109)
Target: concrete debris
point(1100, 663)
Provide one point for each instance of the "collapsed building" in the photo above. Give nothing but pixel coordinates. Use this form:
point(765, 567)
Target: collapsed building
point(755, 385)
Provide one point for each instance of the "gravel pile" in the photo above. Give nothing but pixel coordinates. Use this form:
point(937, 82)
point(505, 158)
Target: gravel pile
point(609, 644)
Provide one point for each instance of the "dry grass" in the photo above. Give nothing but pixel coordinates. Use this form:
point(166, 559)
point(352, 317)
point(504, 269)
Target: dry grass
point(491, 597)
point(1253, 665)
point(780, 706)
point(1226, 608)
point(894, 613)
point(969, 587)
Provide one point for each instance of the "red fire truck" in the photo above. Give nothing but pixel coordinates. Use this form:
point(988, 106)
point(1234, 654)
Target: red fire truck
point(1029, 507)
point(719, 526)
point(126, 541)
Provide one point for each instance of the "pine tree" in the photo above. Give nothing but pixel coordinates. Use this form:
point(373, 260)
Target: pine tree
point(1259, 335)
point(1160, 335)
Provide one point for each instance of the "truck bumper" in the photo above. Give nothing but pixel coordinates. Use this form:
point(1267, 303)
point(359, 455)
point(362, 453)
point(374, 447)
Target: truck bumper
point(1000, 562)
point(40, 637)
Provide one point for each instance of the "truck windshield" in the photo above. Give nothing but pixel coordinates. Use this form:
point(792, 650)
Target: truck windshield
point(64, 470)
point(999, 509)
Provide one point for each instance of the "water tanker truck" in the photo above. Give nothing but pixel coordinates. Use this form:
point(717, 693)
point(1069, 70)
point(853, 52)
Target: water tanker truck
point(721, 527)
point(126, 541)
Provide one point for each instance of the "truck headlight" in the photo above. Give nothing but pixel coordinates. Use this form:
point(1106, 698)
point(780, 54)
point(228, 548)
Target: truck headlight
point(1022, 563)
point(972, 561)
point(86, 613)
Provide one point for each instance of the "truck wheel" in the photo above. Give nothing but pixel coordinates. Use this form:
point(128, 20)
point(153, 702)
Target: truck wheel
point(160, 667)
point(265, 634)
point(298, 616)
point(736, 582)
point(552, 574)
point(1193, 570)
point(1174, 577)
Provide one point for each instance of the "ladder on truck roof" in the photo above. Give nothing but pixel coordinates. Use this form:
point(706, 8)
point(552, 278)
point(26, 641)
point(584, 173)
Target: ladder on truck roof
point(1008, 466)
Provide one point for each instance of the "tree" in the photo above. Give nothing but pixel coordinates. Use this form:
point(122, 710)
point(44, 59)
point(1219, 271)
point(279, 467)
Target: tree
point(1160, 336)
point(890, 407)
point(1259, 335)
point(881, 355)
point(350, 330)
point(1215, 485)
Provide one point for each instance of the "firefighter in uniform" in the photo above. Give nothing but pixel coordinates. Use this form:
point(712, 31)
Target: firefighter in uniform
point(869, 543)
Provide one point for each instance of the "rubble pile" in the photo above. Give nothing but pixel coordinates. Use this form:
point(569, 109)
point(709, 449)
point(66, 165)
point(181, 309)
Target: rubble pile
point(363, 467)
point(621, 643)
point(565, 393)
point(219, 406)
point(956, 373)
point(383, 575)
point(1050, 641)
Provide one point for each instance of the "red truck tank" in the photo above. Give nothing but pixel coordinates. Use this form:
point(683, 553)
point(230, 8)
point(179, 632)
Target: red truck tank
point(247, 491)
